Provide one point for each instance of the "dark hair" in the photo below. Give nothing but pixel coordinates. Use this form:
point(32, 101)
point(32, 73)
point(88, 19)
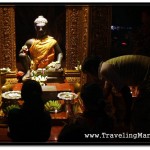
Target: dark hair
point(31, 93)
point(91, 64)
point(92, 94)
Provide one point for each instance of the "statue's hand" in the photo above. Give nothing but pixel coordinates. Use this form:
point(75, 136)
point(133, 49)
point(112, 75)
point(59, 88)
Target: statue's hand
point(57, 65)
point(54, 64)
point(23, 51)
point(22, 54)
point(24, 47)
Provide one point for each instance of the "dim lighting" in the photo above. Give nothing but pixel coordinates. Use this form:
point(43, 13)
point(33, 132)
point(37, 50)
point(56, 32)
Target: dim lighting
point(124, 44)
point(113, 27)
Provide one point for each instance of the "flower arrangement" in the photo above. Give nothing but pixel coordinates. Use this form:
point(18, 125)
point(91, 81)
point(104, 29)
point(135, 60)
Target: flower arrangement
point(78, 67)
point(39, 76)
point(5, 70)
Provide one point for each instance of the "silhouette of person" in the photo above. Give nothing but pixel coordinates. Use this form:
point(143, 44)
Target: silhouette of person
point(31, 123)
point(120, 72)
point(93, 120)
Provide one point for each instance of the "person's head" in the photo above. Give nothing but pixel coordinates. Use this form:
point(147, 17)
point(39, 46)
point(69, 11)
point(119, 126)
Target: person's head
point(90, 65)
point(31, 93)
point(92, 96)
point(41, 26)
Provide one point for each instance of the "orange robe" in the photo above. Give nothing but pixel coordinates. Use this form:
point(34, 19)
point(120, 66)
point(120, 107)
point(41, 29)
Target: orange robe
point(42, 52)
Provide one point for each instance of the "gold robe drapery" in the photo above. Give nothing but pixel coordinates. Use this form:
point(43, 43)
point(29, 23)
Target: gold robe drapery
point(42, 52)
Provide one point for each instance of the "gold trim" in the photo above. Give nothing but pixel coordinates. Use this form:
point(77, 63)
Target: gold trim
point(7, 38)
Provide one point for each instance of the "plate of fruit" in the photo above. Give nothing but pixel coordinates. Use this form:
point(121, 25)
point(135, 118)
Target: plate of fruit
point(53, 106)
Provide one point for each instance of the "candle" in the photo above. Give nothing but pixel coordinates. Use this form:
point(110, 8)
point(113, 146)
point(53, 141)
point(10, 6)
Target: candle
point(55, 112)
point(55, 138)
point(71, 97)
point(67, 111)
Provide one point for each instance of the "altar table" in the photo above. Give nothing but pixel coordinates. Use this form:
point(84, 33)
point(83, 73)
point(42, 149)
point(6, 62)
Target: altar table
point(50, 92)
point(58, 118)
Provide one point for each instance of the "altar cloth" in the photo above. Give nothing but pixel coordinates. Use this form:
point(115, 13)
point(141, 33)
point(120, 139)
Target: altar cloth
point(49, 88)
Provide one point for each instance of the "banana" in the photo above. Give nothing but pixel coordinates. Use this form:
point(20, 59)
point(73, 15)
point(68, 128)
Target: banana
point(52, 104)
point(8, 108)
point(48, 104)
point(46, 107)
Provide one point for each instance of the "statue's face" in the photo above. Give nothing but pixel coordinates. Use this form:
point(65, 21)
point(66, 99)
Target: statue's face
point(41, 30)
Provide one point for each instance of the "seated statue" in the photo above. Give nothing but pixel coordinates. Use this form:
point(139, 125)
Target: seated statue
point(40, 52)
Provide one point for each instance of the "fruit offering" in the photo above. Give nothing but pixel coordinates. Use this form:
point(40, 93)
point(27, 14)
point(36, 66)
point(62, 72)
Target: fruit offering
point(10, 107)
point(52, 106)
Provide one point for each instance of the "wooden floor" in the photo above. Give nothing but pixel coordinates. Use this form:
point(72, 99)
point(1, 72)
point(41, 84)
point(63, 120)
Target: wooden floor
point(53, 138)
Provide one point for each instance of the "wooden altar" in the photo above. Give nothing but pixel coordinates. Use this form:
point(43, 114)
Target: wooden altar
point(87, 32)
point(58, 119)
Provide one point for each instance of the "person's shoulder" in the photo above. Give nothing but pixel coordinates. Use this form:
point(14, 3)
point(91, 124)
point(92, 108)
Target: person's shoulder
point(78, 120)
point(46, 113)
point(14, 112)
point(29, 42)
point(51, 37)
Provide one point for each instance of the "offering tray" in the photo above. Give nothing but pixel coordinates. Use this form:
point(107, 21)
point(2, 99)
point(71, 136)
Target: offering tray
point(10, 100)
point(12, 95)
point(67, 95)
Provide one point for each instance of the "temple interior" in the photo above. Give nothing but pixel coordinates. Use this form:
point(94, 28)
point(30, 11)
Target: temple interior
point(81, 30)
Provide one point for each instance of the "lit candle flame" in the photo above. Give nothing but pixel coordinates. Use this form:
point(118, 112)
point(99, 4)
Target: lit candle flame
point(56, 111)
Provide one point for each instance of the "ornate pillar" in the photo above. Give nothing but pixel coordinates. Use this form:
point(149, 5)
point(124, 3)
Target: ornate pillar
point(88, 31)
point(7, 37)
point(77, 18)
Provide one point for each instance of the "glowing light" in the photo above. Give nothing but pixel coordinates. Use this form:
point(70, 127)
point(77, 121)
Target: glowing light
point(124, 44)
point(56, 111)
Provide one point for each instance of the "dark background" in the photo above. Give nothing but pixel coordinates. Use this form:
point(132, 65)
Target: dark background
point(25, 16)
point(126, 16)
point(126, 20)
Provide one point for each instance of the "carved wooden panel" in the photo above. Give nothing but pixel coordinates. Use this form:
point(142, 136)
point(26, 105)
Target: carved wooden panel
point(72, 36)
point(85, 39)
point(73, 79)
point(7, 37)
point(88, 31)
point(77, 18)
